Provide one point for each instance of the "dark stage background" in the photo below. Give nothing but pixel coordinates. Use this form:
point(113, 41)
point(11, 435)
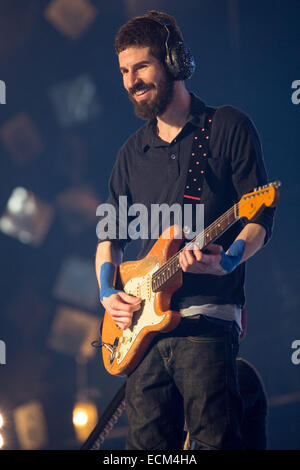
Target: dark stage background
point(63, 116)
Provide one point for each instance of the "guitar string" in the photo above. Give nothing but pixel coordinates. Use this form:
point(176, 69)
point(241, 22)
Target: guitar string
point(210, 228)
point(192, 242)
point(219, 220)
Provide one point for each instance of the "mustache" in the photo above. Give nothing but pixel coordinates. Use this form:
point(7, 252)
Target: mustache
point(140, 86)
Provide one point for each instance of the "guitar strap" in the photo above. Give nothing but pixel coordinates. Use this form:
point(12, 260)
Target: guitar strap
point(198, 160)
point(196, 174)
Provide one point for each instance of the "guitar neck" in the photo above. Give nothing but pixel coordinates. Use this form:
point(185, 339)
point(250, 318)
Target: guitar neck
point(207, 236)
point(249, 206)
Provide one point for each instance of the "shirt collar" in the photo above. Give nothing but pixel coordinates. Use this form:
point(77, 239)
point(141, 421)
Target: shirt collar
point(196, 117)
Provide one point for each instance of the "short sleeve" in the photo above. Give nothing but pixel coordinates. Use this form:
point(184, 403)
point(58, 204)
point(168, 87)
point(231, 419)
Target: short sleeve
point(113, 214)
point(248, 167)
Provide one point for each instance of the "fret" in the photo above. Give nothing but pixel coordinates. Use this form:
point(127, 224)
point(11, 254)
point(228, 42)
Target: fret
point(210, 234)
point(207, 236)
point(236, 211)
point(174, 267)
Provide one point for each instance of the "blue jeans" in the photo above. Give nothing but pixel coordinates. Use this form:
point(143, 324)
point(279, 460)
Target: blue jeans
point(187, 375)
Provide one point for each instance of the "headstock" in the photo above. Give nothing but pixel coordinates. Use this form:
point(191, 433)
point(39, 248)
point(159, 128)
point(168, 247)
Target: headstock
point(252, 204)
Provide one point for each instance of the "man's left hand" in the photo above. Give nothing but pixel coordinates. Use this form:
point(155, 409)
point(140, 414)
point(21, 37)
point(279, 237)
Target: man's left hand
point(194, 261)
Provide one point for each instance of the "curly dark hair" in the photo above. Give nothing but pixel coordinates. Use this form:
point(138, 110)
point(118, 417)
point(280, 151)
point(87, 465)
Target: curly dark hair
point(142, 31)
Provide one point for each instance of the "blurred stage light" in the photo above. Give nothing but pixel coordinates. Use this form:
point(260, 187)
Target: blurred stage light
point(76, 283)
point(21, 139)
point(71, 18)
point(73, 331)
point(1, 436)
point(75, 101)
point(26, 217)
point(85, 417)
point(80, 417)
point(31, 426)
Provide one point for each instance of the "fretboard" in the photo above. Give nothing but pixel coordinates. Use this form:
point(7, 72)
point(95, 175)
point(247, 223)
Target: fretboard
point(207, 236)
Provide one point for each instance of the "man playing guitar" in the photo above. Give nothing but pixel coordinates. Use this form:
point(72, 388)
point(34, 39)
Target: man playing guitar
point(186, 152)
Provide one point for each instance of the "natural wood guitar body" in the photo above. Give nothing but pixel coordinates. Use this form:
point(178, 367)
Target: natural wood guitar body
point(154, 316)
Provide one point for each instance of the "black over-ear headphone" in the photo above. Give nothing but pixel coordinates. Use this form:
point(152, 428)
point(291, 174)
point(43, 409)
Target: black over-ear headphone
point(178, 59)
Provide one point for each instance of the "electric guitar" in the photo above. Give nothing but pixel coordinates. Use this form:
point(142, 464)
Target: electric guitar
point(156, 277)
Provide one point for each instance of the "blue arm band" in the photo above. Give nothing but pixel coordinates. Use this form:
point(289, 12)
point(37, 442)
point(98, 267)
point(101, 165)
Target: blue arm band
point(107, 273)
point(231, 259)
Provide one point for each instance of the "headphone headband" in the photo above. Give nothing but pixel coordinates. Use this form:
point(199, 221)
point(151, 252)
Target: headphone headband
point(178, 59)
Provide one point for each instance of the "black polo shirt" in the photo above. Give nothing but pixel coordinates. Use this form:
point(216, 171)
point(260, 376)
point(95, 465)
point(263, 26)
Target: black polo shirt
point(149, 170)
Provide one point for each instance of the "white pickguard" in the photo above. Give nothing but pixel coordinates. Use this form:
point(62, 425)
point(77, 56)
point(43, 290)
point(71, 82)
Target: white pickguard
point(146, 316)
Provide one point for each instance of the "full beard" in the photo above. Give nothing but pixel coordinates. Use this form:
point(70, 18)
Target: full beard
point(150, 109)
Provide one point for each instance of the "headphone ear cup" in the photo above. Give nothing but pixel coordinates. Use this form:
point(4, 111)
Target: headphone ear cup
point(180, 62)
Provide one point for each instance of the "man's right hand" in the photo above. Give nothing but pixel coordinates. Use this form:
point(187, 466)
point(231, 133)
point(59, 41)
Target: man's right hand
point(121, 306)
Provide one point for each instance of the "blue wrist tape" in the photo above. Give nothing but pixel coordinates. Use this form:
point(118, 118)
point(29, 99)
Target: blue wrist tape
point(231, 259)
point(107, 273)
